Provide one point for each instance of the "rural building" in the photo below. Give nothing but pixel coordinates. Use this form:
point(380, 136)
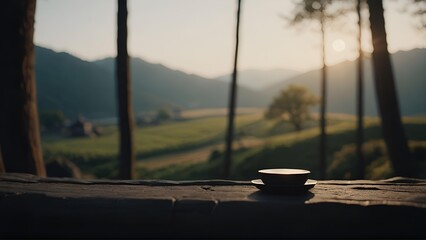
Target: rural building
point(82, 128)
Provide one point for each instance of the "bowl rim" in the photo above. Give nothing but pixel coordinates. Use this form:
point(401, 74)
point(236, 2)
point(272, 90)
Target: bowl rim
point(293, 171)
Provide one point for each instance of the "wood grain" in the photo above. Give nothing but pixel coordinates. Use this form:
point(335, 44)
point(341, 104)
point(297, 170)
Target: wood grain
point(53, 207)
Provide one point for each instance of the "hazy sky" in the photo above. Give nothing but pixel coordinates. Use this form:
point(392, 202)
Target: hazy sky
point(197, 36)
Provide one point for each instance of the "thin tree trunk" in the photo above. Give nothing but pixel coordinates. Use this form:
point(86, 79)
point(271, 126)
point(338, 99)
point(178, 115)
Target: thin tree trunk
point(392, 128)
point(124, 95)
point(360, 99)
point(323, 143)
point(20, 135)
point(2, 168)
point(232, 102)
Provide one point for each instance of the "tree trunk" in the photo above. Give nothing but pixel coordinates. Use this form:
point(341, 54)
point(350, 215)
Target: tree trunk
point(232, 102)
point(360, 99)
point(124, 95)
point(2, 169)
point(322, 145)
point(20, 135)
point(392, 128)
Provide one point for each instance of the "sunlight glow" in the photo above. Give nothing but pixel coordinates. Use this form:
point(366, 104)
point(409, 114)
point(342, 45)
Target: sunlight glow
point(339, 45)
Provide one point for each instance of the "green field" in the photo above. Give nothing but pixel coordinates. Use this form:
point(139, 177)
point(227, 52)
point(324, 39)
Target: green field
point(299, 150)
point(168, 137)
point(98, 155)
point(274, 144)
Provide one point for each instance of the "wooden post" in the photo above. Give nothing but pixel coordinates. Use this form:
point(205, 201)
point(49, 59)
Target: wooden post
point(20, 135)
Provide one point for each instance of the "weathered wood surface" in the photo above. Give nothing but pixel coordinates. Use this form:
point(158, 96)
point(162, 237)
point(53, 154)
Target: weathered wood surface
point(51, 207)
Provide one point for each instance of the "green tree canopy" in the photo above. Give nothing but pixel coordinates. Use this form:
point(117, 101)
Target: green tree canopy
point(52, 119)
point(163, 114)
point(295, 101)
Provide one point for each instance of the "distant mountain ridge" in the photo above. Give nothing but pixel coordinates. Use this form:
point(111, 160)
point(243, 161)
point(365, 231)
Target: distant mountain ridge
point(75, 86)
point(410, 74)
point(72, 85)
point(259, 79)
point(179, 88)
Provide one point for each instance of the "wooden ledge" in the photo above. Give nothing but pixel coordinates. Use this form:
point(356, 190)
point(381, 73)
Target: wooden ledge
point(52, 207)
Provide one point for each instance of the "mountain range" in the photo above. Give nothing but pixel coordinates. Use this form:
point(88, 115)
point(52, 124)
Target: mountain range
point(260, 79)
point(76, 86)
point(410, 76)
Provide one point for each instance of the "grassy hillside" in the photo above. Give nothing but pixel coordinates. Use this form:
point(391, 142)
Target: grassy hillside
point(299, 150)
point(92, 154)
point(192, 149)
point(98, 155)
point(168, 137)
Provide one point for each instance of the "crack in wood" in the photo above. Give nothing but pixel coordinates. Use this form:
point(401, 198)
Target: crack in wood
point(207, 188)
point(366, 188)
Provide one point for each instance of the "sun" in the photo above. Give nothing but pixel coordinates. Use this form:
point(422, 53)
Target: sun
point(339, 45)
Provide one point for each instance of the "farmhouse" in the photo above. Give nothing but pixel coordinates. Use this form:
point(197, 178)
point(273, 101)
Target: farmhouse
point(82, 128)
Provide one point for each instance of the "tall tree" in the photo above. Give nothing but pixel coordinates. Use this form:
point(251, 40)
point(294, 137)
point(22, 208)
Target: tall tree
point(323, 139)
point(360, 97)
point(124, 95)
point(20, 135)
point(2, 168)
point(315, 10)
point(392, 128)
point(232, 101)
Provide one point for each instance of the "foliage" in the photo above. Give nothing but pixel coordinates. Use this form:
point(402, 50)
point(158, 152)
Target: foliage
point(318, 10)
point(343, 164)
point(378, 166)
point(417, 9)
point(52, 119)
point(308, 10)
point(163, 114)
point(295, 101)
